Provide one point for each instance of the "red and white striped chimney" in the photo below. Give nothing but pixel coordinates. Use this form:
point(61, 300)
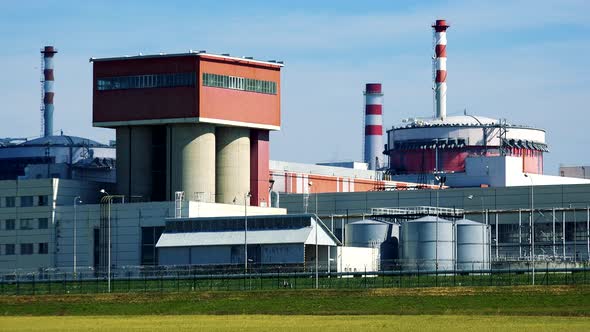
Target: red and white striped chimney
point(48, 52)
point(440, 66)
point(374, 125)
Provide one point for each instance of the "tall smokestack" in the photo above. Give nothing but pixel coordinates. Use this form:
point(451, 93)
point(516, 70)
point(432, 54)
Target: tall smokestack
point(373, 125)
point(440, 66)
point(48, 52)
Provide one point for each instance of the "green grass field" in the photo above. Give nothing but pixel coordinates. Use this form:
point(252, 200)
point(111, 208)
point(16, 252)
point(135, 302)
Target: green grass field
point(541, 308)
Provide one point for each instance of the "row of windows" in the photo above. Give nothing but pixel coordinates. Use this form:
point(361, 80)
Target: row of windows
point(26, 201)
point(26, 224)
point(26, 249)
point(239, 83)
point(147, 81)
point(237, 224)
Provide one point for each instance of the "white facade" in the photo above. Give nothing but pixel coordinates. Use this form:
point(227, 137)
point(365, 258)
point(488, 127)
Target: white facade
point(500, 171)
point(48, 224)
point(356, 259)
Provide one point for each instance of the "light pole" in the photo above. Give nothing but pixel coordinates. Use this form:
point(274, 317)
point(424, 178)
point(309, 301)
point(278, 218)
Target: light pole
point(532, 224)
point(317, 252)
point(109, 200)
point(246, 196)
point(76, 201)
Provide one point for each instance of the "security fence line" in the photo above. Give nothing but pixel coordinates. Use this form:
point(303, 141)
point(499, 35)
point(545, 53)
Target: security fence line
point(197, 279)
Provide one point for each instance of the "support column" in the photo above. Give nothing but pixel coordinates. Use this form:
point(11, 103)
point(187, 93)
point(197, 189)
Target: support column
point(259, 170)
point(192, 160)
point(232, 147)
point(134, 161)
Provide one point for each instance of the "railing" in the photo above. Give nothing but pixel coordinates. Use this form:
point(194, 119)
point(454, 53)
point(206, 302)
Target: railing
point(416, 210)
point(233, 278)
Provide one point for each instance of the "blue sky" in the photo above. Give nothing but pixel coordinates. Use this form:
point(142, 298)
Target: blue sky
point(521, 60)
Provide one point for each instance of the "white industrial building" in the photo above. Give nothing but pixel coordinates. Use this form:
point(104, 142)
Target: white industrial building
point(271, 239)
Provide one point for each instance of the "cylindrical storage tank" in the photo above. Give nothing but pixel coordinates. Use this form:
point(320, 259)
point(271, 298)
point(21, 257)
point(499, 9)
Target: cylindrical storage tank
point(134, 161)
point(473, 245)
point(193, 161)
point(366, 233)
point(232, 147)
point(375, 234)
point(428, 245)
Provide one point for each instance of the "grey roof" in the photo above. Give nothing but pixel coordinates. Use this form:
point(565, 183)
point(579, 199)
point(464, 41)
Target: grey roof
point(232, 238)
point(288, 236)
point(190, 53)
point(215, 231)
point(63, 140)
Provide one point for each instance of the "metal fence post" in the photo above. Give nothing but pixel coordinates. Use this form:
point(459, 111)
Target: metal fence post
point(33, 284)
point(17, 284)
point(194, 278)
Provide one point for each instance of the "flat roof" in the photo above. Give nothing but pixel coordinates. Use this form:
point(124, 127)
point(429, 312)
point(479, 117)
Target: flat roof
point(199, 54)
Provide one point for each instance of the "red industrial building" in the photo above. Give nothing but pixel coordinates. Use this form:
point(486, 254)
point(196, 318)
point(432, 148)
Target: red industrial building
point(192, 122)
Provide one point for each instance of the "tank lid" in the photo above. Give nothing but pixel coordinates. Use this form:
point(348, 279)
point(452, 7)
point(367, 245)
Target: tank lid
point(467, 222)
point(430, 219)
point(368, 222)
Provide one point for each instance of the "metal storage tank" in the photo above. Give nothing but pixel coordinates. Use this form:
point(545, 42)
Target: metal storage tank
point(371, 233)
point(422, 248)
point(366, 233)
point(473, 245)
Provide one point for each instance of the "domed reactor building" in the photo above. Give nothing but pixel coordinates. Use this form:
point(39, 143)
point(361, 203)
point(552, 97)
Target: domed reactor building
point(468, 150)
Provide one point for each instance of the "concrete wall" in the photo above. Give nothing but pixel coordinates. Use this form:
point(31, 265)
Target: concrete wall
point(489, 198)
point(58, 193)
point(232, 180)
point(134, 161)
point(191, 167)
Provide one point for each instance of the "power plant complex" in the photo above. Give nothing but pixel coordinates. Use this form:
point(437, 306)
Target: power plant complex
point(189, 181)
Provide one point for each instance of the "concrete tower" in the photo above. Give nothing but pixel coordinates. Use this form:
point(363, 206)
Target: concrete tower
point(48, 52)
point(374, 126)
point(192, 122)
point(440, 67)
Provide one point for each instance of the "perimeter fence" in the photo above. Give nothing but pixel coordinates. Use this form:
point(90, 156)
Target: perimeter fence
point(264, 277)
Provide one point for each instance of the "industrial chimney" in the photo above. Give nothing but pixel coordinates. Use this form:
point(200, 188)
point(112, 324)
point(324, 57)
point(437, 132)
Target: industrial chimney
point(440, 67)
point(47, 109)
point(373, 126)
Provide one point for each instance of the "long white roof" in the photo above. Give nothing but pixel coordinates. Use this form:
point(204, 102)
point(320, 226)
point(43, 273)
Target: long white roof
point(283, 236)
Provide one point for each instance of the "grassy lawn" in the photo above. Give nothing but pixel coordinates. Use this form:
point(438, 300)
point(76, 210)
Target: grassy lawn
point(505, 300)
point(296, 323)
